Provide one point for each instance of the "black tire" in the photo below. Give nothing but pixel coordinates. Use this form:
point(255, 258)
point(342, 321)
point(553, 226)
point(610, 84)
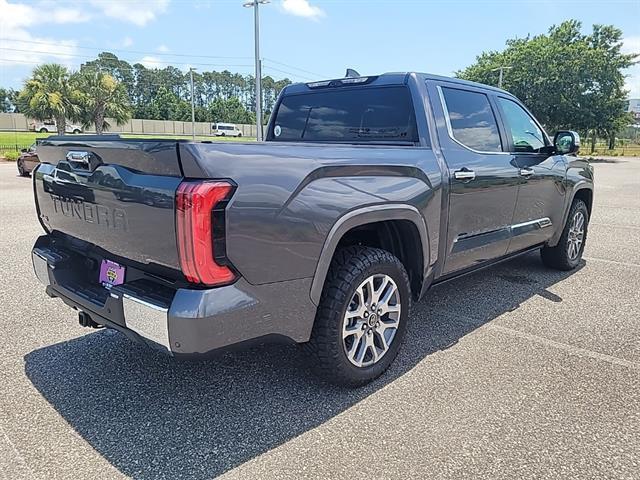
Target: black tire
point(21, 171)
point(223, 134)
point(43, 130)
point(240, 135)
point(76, 131)
point(350, 267)
point(558, 257)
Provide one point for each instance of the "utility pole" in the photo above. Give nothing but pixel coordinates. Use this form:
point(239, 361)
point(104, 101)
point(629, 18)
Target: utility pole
point(501, 70)
point(193, 108)
point(256, 20)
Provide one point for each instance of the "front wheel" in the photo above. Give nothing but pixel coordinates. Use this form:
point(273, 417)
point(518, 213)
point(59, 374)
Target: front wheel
point(21, 170)
point(362, 317)
point(43, 130)
point(566, 255)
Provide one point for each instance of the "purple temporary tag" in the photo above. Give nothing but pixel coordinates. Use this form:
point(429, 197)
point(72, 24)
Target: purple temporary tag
point(111, 273)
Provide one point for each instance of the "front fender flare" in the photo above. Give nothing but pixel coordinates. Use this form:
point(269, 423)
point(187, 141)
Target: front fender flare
point(363, 216)
point(581, 185)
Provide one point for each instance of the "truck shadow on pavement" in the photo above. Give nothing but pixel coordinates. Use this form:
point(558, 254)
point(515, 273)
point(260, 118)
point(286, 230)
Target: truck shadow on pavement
point(154, 417)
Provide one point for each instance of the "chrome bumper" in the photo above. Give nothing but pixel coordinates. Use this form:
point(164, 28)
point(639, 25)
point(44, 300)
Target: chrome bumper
point(148, 320)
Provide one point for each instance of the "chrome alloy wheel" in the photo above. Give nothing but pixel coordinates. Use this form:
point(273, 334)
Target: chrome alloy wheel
point(576, 236)
point(371, 320)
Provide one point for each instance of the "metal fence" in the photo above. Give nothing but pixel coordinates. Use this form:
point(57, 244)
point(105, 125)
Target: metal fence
point(14, 147)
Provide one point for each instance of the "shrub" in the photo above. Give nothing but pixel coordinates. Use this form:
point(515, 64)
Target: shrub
point(11, 155)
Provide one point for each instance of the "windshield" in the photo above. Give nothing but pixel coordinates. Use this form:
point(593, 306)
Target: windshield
point(347, 115)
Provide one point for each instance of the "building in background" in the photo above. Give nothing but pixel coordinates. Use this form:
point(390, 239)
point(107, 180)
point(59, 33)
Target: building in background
point(634, 107)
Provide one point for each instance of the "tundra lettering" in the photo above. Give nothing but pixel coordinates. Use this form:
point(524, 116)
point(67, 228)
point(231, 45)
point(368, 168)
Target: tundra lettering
point(115, 218)
point(366, 192)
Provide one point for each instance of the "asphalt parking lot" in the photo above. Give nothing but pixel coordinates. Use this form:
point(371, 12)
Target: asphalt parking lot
point(513, 372)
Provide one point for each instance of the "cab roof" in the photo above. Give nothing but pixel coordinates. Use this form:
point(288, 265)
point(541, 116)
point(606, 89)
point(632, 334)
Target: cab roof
point(391, 78)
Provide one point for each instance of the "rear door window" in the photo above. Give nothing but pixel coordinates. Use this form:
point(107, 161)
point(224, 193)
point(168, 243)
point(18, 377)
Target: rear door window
point(382, 115)
point(471, 119)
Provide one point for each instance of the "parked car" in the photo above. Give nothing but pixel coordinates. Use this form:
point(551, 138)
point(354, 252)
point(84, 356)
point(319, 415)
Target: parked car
point(226, 130)
point(366, 192)
point(27, 161)
point(49, 126)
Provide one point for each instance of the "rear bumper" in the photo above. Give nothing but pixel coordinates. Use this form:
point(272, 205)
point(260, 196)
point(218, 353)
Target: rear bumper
point(181, 322)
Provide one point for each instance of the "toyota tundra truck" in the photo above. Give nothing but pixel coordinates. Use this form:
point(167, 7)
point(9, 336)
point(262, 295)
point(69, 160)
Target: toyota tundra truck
point(366, 192)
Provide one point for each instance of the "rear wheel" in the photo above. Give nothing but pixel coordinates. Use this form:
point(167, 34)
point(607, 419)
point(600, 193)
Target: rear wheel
point(567, 254)
point(43, 130)
point(239, 134)
point(362, 316)
point(76, 131)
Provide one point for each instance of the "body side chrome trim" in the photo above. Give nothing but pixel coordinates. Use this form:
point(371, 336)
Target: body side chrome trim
point(540, 223)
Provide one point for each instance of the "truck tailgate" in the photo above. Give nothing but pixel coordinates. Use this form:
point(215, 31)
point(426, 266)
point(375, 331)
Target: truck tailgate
point(116, 194)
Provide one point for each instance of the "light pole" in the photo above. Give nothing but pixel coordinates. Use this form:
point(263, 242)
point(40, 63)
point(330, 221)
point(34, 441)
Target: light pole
point(193, 108)
point(501, 70)
point(256, 20)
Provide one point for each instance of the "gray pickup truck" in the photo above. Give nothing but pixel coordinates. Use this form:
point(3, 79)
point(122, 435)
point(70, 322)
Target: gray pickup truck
point(367, 191)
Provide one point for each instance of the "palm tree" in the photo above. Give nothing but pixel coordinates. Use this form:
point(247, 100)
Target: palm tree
point(48, 94)
point(101, 96)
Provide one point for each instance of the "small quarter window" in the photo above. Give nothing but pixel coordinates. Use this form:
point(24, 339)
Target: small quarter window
point(472, 121)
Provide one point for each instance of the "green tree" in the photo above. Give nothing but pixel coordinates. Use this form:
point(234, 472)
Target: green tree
point(7, 99)
point(121, 70)
point(100, 96)
point(48, 94)
point(567, 79)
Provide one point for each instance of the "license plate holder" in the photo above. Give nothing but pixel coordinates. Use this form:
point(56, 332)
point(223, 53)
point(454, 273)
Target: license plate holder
point(111, 274)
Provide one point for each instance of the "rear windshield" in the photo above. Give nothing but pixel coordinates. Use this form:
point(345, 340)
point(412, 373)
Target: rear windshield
point(382, 115)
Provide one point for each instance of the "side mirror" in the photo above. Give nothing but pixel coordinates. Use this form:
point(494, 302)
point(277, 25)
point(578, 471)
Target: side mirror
point(566, 142)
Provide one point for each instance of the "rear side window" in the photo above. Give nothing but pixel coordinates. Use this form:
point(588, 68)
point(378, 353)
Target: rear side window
point(472, 121)
point(382, 115)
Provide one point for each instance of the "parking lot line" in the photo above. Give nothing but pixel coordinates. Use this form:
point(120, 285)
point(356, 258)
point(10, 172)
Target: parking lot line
point(582, 352)
point(614, 262)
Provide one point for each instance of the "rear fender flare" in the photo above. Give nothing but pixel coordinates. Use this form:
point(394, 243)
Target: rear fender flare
point(356, 218)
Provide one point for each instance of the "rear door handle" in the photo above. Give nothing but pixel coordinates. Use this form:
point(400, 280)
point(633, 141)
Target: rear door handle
point(526, 172)
point(464, 174)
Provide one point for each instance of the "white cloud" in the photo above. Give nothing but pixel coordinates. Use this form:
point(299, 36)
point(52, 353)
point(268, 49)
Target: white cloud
point(20, 47)
point(66, 15)
point(127, 42)
point(302, 8)
point(632, 83)
point(138, 13)
point(163, 49)
point(150, 61)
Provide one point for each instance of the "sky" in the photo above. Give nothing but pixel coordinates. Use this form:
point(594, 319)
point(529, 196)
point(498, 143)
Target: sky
point(303, 40)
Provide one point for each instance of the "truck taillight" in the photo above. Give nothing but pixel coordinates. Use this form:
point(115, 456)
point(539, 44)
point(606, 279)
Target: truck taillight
point(201, 231)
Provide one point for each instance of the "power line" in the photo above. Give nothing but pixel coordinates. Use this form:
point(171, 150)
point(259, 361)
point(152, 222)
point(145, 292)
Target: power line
point(269, 67)
point(295, 68)
point(139, 52)
point(75, 55)
point(109, 50)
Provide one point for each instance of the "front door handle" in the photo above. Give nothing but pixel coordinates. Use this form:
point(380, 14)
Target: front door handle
point(526, 172)
point(464, 174)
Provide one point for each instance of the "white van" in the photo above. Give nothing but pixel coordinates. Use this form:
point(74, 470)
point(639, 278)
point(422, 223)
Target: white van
point(225, 130)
